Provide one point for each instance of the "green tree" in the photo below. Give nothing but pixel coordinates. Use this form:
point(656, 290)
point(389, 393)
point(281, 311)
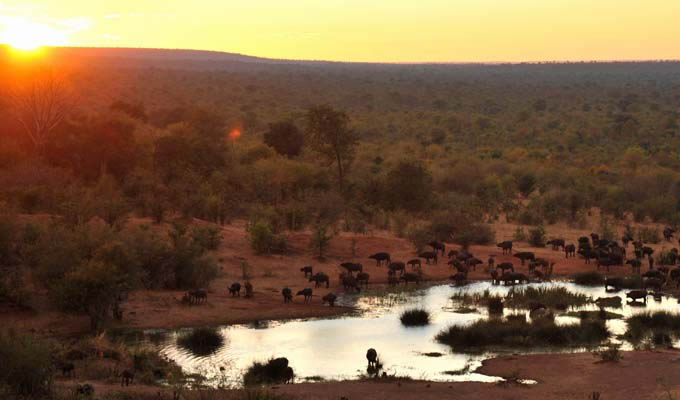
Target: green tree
point(321, 238)
point(93, 288)
point(332, 137)
point(285, 138)
point(526, 184)
point(408, 186)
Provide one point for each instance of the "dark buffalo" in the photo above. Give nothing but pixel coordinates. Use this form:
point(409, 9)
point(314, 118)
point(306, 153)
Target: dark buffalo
point(352, 267)
point(525, 256)
point(330, 299)
point(506, 246)
point(505, 266)
point(362, 278)
point(510, 278)
point(414, 263)
point(459, 278)
point(411, 277)
point(453, 253)
point(307, 293)
point(570, 250)
point(614, 283)
point(397, 266)
point(350, 283)
point(429, 256)
point(372, 357)
point(320, 278)
point(653, 283)
point(380, 257)
point(308, 270)
point(668, 233)
point(635, 265)
point(556, 244)
point(127, 377)
point(235, 289)
point(473, 262)
point(635, 295)
point(198, 296)
point(287, 295)
point(438, 246)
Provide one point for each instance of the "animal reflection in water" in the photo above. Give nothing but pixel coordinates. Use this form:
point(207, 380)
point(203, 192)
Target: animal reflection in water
point(374, 364)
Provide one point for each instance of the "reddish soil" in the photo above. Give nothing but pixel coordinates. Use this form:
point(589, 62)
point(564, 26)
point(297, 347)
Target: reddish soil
point(270, 273)
point(642, 375)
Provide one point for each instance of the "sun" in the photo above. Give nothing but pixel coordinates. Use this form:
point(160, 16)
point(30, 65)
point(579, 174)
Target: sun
point(26, 35)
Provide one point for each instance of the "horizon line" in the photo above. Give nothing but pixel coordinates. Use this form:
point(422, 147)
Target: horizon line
point(489, 62)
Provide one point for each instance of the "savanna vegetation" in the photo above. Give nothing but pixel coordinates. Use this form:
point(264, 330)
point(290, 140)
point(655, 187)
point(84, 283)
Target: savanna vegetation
point(430, 152)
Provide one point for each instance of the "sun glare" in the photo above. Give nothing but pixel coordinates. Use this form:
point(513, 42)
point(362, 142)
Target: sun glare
point(24, 35)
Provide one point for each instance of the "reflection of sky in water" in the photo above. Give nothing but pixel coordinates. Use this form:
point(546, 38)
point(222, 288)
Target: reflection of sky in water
point(335, 348)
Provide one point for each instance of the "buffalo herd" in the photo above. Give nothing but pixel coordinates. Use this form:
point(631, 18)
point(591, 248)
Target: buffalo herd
point(604, 253)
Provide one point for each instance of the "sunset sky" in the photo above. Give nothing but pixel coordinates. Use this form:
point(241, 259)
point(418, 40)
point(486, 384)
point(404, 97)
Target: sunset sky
point(359, 30)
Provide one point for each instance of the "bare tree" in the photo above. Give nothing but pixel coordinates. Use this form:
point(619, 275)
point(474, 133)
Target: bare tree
point(41, 106)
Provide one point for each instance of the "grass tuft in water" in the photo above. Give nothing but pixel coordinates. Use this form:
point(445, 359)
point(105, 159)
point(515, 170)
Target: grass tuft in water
point(521, 334)
point(590, 278)
point(553, 297)
point(201, 341)
point(657, 327)
point(415, 317)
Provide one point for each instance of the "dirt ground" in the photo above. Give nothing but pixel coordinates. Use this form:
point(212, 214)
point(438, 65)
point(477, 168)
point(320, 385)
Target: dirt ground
point(641, 375)
point(270, 273)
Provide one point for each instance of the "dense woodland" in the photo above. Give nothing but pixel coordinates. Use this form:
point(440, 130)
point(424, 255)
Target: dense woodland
point(424, 150)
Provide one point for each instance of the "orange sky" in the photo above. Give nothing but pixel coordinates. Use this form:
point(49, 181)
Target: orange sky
point(359, 30)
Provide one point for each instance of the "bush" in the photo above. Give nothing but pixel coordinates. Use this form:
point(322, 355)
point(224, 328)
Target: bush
point(26, 365)
point(208, 237)
point(261, 237)
point(519, 235)
point(554, 297)
point(201, 341)
point(649, 235)
point(276, 370)
point(652, 324)
point(415, 317)
point(495, 305)
point(419, 236)
point(517, 333)
point(480, 234)
point(591, 278)
point(537, 237)
point(611, 352)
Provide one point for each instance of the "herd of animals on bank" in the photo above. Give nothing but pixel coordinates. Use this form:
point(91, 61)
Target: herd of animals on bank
point(605, 254)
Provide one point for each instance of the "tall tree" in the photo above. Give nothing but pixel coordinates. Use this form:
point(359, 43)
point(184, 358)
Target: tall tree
point(332, 137)
point(285, 138)
point(41, 106)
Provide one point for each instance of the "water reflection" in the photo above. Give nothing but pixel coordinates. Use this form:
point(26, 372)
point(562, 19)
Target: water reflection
point(335, 348)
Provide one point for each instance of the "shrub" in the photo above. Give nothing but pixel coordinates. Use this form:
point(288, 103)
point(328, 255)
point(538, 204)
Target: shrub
point(517, 333)
point(273, 371)
point(201, 341)
point(537, 236)
point(321, 239)
point(415, 317)
point(590, 278)
point(208, 237)
point(649, 235)
point(610, 353)
point(480, 234)
point(495, 305)
point(261, 237)
point(419, 236)
point(652, 324)
point(555, 297)
point(26, 365)
point(519, 235)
